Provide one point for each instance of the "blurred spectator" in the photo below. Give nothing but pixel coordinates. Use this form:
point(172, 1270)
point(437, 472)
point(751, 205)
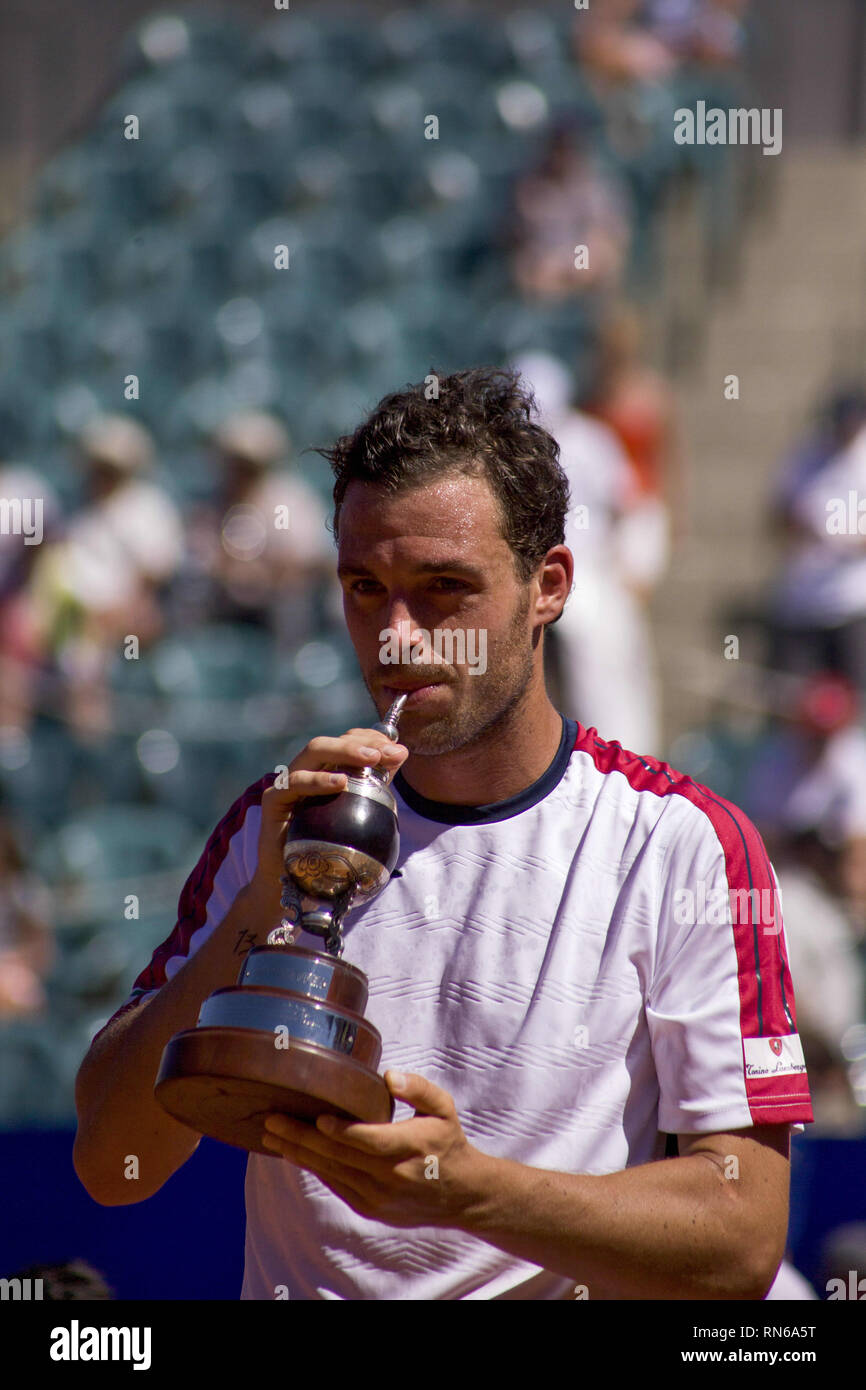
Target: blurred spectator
point(818, 608)
point(259, 551)
point(568, 200)
point(104, 580)
point(823, 956)
point(811, 780)
point(607, 668)
point(711, 33)
point(614, 41)
point(26, 941)
point(646, 40)
point(21, 646)
point(638, 405)
point(838, 420)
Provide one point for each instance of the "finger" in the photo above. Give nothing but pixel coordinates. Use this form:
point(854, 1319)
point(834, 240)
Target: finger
point(307, 1137)
point(392, 1141)
point(330, 754)
point(357, 745)
point(278, 802)
point(424, 1096)
point(358, 1187)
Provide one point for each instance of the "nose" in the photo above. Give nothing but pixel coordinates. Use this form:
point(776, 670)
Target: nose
point(401, 622)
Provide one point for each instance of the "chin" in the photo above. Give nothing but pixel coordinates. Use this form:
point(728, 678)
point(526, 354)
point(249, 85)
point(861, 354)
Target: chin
point(437, 737)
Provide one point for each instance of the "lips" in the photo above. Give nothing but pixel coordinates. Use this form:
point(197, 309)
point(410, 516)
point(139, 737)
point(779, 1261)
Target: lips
point(416, 693)
point(418, 685)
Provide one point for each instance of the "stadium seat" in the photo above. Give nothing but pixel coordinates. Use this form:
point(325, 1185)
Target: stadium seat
point(111, 843)
point(277, 46)
point(218, 662)
point(171, 40)
point(36, 772)
point(532, 39)
point(34, 1085)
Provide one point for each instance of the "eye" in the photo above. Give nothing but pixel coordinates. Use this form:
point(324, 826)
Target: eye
point(363, 586)
point(449, 584)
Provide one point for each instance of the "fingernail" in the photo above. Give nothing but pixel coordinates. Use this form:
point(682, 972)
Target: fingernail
point(369, 752)
point(398, 1079)
point(337, 778)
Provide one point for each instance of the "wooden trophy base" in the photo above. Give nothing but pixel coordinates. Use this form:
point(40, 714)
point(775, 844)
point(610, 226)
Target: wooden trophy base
point(223, 1082)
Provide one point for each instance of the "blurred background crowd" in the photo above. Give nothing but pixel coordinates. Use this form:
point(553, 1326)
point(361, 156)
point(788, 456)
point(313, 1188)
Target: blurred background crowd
point(253, 234)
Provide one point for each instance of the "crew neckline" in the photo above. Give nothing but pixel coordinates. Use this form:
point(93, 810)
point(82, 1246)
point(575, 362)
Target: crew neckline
point(452, 813)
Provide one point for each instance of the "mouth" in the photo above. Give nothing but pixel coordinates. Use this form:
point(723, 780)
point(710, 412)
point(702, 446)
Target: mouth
point(417, 694)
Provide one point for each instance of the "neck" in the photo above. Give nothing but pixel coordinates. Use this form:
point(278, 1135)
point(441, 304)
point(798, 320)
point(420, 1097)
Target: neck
point(505, 759)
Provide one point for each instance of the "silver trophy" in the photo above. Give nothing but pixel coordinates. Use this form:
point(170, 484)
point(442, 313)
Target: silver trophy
point(291, 1036)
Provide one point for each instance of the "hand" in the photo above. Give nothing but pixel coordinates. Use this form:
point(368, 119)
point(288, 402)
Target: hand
point(417, 1172)
point(308, 775)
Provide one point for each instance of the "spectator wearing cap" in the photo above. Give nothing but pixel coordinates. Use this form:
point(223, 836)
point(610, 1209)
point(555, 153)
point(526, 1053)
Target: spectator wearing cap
point(260, 551)
point(105, 579)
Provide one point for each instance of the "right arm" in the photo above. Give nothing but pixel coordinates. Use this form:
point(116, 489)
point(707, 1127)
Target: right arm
point(118, 1114)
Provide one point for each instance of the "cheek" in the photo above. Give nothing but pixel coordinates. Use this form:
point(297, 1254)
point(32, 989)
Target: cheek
point(363, 630)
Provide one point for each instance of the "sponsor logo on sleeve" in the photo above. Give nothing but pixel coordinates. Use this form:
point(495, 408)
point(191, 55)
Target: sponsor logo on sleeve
point(774, 1056)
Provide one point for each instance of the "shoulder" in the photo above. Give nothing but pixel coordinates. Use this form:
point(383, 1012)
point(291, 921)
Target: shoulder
point(692, 808)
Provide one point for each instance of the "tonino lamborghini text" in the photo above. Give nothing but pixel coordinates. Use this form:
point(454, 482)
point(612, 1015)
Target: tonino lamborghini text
point(76, 1343)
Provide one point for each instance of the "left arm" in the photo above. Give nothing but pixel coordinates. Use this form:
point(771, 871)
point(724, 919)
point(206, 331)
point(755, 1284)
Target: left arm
point(709, 1224)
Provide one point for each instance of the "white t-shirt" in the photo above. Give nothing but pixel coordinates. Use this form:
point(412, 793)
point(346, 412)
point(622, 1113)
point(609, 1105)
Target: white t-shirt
point(537, 959)
point(112, 545)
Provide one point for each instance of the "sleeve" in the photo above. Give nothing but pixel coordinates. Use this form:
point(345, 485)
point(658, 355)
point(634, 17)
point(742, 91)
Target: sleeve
point(226, 865)
point(720, 1007)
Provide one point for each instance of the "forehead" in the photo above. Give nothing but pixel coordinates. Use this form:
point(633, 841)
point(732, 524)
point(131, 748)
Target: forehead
point(455, 512)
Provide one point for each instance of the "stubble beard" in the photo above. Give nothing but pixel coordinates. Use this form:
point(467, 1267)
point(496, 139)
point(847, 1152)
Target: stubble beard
point(501, 689)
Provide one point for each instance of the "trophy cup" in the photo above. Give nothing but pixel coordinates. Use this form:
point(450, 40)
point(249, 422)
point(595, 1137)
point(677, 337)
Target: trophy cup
point(291, 1036)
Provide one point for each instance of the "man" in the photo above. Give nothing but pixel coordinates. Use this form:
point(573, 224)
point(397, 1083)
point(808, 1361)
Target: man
point(533, 972)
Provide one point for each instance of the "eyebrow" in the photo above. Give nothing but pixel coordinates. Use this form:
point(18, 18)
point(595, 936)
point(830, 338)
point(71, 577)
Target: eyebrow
point(440, 567)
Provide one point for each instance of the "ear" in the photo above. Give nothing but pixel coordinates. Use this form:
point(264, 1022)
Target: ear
point(555, 576)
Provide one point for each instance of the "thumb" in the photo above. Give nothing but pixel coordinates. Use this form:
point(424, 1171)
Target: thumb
point(424, 1096)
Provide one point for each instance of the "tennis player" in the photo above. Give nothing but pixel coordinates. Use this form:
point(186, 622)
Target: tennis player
point(578, 969)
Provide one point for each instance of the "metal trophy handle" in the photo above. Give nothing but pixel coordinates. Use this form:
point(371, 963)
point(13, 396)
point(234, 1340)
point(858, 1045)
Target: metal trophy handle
point(340, 850)
point(291, 1036)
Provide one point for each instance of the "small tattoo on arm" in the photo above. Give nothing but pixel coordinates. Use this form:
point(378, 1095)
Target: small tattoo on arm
point(246, 940)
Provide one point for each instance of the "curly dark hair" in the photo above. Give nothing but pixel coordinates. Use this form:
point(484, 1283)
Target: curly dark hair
point(479, 422)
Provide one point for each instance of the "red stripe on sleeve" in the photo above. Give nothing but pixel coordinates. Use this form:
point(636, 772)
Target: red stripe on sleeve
point(766, 990)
